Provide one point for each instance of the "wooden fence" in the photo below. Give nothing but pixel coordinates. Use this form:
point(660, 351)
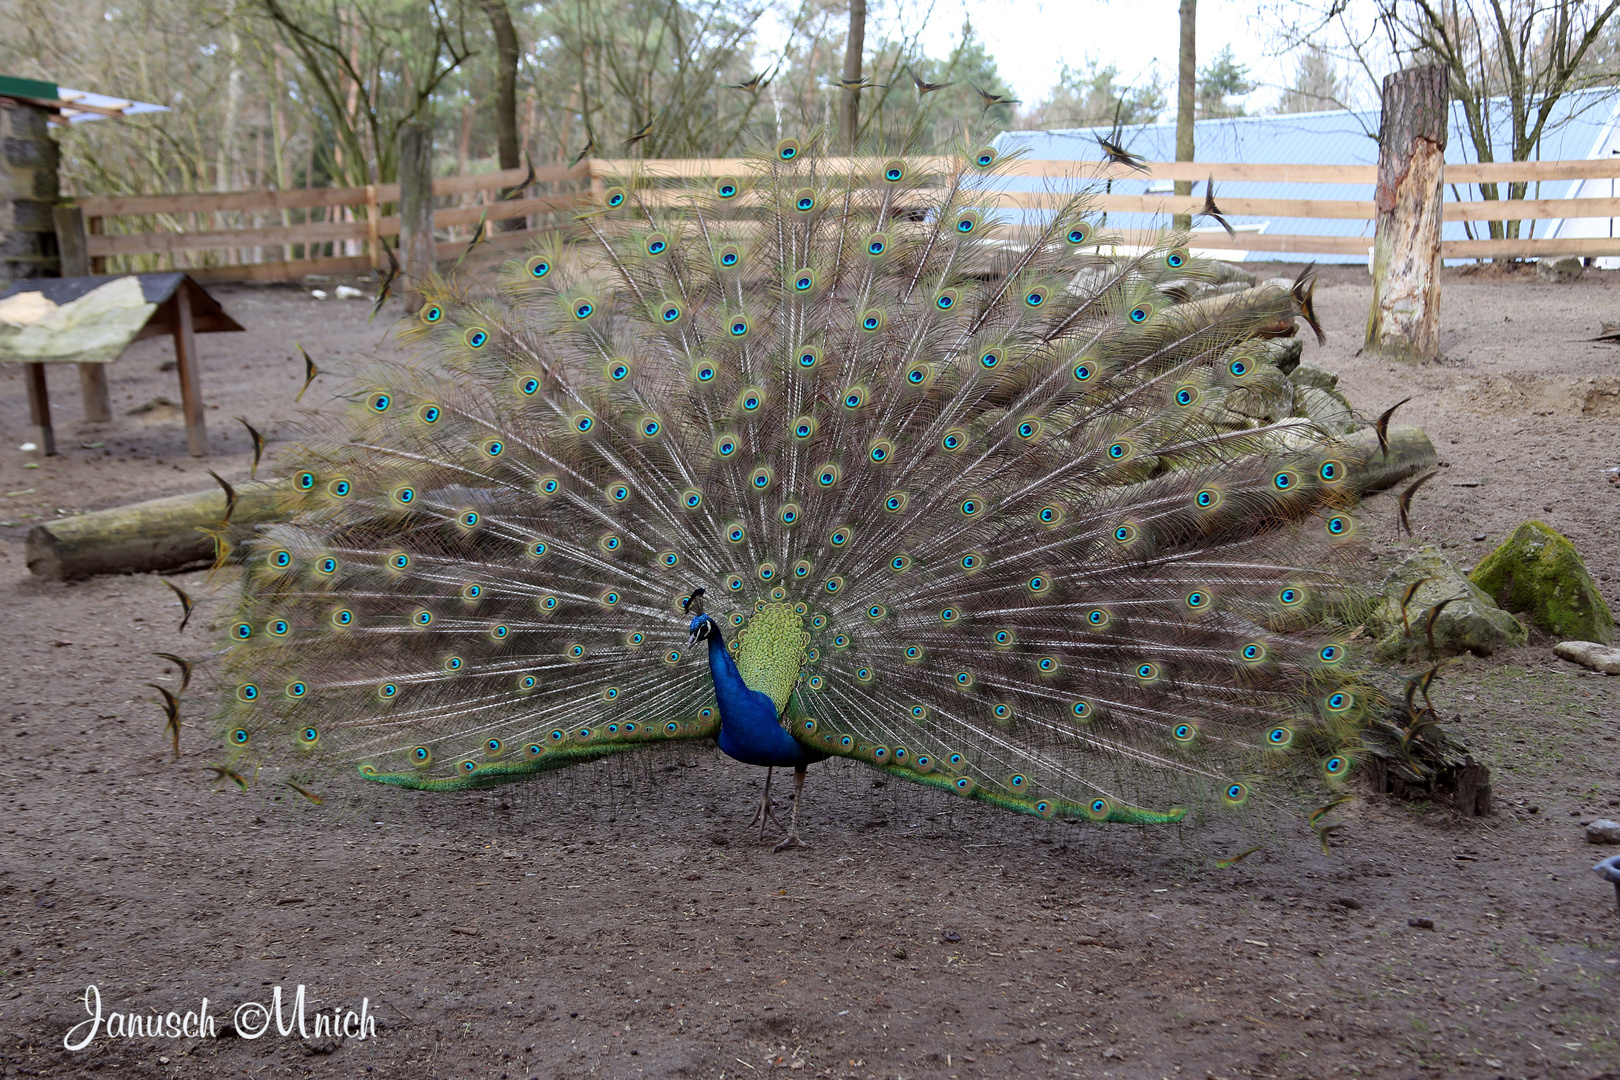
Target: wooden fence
point(221, 237)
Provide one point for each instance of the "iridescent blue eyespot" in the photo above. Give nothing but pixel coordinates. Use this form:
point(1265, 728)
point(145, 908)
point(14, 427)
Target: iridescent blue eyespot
point(1337, 526)
point(539, 268)
point(656, 245)
point(583, 309)
point(726, 189)
point(477, 337)
point(306, 481)
point(1083, 373)
point(671, 312)
point(381, 402)
point(650, 427)
point(1238, 368)
point(1140, 313)
point(529, 386)
point(728, 258)
point(1185, 396)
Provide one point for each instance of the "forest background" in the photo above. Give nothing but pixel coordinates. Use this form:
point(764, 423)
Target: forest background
point(307, 93)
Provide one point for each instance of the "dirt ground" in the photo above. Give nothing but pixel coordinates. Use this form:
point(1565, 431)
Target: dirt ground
point(623, 921)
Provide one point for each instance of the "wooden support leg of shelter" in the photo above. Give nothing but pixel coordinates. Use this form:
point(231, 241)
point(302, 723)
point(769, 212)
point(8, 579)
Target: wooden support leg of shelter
point(187, 365)
point(72, 246)
point(93, 388)
point(40, 431)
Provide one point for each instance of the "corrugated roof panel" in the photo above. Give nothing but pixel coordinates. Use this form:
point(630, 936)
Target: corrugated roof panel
point(1583, 125)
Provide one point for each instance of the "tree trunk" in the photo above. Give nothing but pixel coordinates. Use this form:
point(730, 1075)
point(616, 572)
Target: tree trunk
point(1404, 320)
point(416, 208)
point(507, 54)
point(1186, 99)
point(854, 51)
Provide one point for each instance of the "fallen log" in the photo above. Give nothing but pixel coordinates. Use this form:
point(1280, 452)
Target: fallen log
point(160, 534)
point(166, 534)
point(1410, 453)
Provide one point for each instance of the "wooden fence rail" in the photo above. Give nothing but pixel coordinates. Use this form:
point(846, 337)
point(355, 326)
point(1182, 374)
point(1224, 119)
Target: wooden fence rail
point(174, 227)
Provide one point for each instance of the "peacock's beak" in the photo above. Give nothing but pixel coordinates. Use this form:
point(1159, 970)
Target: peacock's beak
point(691, 639)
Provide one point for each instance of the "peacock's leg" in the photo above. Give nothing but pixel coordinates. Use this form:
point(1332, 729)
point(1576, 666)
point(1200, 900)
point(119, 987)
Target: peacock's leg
point(766, 811)
point(792, 838)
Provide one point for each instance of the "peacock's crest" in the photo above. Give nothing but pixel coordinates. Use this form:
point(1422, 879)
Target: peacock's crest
point(975, 502)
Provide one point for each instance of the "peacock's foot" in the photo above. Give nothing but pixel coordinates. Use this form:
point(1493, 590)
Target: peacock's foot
point(790, 841)
point(765, 813)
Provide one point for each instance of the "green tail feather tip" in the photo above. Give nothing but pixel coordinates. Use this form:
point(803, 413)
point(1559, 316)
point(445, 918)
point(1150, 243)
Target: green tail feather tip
point(495, 773)
point(1116, 813)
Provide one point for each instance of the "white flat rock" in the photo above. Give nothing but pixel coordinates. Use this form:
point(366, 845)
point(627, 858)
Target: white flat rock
point(1590, 654)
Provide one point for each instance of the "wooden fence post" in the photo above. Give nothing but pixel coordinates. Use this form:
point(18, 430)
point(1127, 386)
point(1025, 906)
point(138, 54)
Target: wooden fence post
point(71, 245)
point(416, 208)
point(1404, 320)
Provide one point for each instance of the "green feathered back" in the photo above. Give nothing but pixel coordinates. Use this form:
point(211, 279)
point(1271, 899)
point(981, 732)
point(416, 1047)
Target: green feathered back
point(980, 505)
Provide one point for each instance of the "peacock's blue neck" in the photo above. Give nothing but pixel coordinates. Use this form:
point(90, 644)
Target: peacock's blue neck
point(749, 730)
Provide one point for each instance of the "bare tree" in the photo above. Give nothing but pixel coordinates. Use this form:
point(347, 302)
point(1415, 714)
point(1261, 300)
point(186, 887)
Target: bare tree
point(854, 46)
point(1186, 98)
point(1530, 53)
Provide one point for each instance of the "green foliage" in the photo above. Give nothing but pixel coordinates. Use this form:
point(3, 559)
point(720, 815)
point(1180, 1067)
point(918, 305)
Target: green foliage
point(1092, 96)
point(1220, 81)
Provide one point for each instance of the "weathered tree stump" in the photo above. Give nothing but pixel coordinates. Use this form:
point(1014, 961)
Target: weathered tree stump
point(1404, 320)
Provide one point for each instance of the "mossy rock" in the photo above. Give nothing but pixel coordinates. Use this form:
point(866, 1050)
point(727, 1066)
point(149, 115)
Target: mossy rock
point(1538, 572)
point(1470, 623)
point(1310, 375)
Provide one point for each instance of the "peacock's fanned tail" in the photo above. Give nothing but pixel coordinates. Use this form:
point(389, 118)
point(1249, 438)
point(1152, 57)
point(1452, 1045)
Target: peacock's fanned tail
point(989, 492)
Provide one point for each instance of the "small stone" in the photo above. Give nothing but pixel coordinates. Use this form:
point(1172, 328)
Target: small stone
point(1589, 654)
point(899, 954)
point(1349, 902)
point(951, 936)
point(1603, 831)
point(1479, 537)
point(1558, 271)
point(1420, 922)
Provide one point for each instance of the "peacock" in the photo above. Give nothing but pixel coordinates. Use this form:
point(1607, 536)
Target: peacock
point(829, 458)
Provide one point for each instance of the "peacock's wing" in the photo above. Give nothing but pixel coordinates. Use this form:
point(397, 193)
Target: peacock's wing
point(1039, 545)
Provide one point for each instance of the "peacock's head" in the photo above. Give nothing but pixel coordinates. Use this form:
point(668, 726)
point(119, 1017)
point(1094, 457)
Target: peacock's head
point(702, 627)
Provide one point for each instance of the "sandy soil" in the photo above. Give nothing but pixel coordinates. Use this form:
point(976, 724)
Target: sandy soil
point(623, 920)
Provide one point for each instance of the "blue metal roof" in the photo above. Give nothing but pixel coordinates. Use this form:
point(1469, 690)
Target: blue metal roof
point(1583, 125)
